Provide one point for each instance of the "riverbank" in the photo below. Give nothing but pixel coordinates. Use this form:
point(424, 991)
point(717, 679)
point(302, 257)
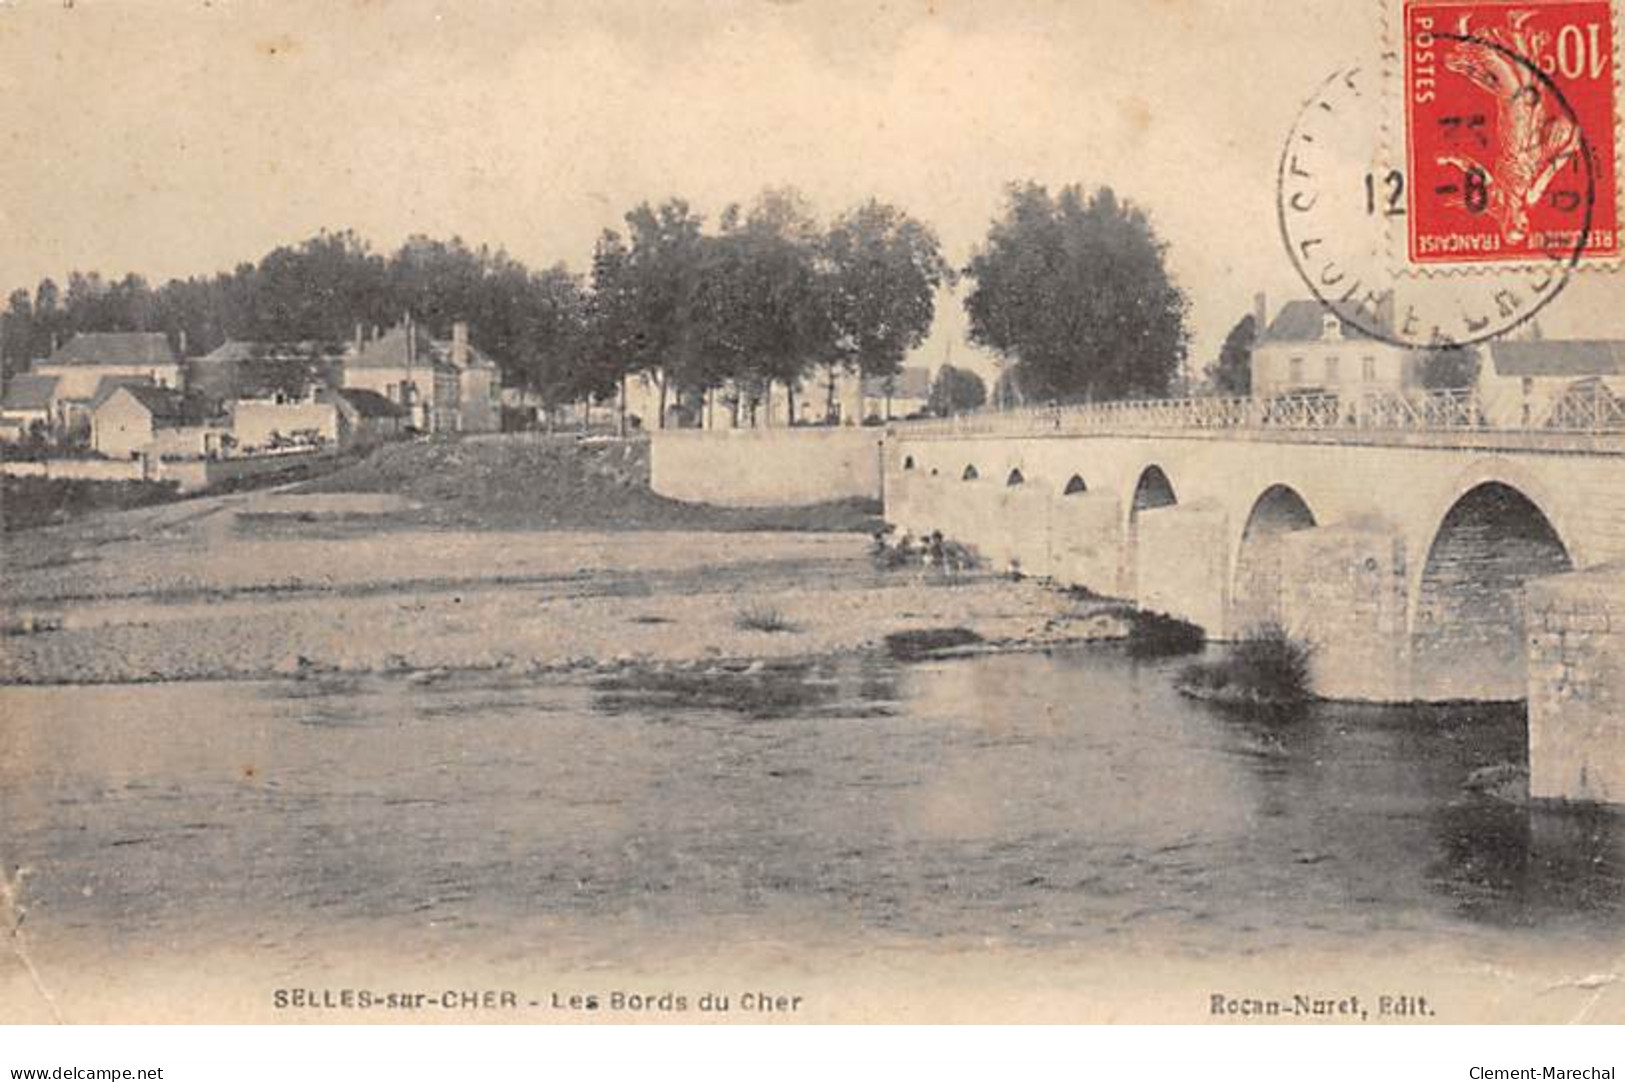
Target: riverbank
point(291, 584)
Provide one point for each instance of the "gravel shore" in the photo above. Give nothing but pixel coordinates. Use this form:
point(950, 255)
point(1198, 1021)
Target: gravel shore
point(275, 584)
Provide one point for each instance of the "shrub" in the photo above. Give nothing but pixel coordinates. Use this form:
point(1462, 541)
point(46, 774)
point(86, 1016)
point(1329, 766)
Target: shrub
point(1156, 634)
point(1266, 666)
point(762, 618)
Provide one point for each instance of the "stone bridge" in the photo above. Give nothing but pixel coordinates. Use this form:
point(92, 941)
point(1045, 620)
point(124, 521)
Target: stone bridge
point(1423, 562)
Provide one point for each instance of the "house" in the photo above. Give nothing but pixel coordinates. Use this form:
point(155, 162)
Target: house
point(366, 417)
point(445, 385)
point(1312, 349)
point(902, 395)
point(1542, 381)
point(30, 407)
point(143, 420)
point(87, 357)
point(273, 372)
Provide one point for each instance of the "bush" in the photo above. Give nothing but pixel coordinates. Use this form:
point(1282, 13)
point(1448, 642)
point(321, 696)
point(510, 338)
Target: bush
point(762, 618)
point(1156, 634)
point(1267, 666)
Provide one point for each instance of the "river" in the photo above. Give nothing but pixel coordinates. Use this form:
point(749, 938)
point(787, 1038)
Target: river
point(1036, 802)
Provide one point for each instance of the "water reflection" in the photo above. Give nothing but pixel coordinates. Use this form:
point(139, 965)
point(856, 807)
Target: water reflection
point(1025, 799)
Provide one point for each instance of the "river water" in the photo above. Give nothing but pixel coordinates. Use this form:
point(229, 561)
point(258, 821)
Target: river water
point(1030, 800)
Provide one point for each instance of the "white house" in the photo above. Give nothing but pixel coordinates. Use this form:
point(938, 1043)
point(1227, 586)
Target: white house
point(446, 385)
point(139, 419)
point(87, 358)
point(1538, 382)
point(1309, 348)
point(30, 404)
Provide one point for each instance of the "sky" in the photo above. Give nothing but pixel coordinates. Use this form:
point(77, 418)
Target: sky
point(179, 137)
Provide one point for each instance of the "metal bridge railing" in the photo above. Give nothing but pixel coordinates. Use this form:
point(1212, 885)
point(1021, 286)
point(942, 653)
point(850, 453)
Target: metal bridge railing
point(1585, 410)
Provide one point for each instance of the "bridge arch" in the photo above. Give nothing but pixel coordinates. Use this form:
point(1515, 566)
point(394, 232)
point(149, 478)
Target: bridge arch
point(1152, 490)
point(1075, 486)
point(908, 462)
point(970, 473)
point(1256, 571)
point(1467, 635)
point(1015, 478)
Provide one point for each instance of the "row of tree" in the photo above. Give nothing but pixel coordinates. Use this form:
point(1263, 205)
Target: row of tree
point(1070, 288)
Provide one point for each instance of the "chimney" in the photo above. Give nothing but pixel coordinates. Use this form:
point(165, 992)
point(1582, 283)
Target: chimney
point(360, 337)
point(459, 344)
point(1261, 314)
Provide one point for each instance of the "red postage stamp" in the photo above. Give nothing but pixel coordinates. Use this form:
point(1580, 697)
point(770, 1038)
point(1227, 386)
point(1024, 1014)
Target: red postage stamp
point(1511, 138)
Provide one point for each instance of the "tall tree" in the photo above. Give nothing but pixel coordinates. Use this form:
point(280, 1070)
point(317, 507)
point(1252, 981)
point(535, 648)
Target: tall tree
point(884, 270)
point(763, 305)
point(1232, 373)
point(956, 390)
point(1450, 368)
point(655, 292)
point(1074, 287)
point(16, 333)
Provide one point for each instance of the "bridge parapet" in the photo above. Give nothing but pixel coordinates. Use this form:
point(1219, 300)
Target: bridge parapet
point(1589, 419)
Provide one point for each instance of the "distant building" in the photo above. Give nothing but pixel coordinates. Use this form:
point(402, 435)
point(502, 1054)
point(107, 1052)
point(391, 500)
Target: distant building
point(366, 417)
point(1311, 349)
point(88, 357)
point(1536, 382)
point(141, 420)
point(906, 394)
point(30, 406)
point(444, 385)
point(276, 372)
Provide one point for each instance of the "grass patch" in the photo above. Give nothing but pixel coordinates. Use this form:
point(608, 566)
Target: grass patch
point(1156, 634)
point(29, 502)
point(926, 642)
point(1267, 667)
point(763, 618)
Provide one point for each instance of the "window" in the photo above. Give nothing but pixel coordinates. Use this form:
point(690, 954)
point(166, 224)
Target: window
point(1368, 369)
point(1295, 371)
point(1331, 371)
point(392, 391)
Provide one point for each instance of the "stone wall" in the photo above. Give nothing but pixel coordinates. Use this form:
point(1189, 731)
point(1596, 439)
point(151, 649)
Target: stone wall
point(1182, 565)
point(1576, 635)
point(1343, 591)
point(766, 467)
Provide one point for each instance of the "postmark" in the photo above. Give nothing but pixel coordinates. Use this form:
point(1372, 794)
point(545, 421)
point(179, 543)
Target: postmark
point(1510, 120)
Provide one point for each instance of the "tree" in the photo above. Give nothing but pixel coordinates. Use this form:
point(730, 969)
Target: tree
point(956, 390)
point(654, 295)
point(16, 333)
point(1232, 373)
point(762, 303)
point(1074, 287)
point(884, 271)
point(1450, 368)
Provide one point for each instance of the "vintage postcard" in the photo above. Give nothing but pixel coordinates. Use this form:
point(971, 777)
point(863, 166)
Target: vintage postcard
point(798, 511)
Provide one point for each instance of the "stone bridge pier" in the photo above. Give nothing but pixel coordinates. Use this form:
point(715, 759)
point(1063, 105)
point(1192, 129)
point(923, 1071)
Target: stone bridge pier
point(1419, 568)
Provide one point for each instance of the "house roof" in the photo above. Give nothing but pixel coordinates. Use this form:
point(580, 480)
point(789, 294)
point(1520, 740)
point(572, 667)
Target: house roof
point(370, 403)
point(1305, 321)
point(1573, 359)
point(236, 351)
point(390, 351)
point(99, 347)
point(166, 405)
point(28, 391)
point(242, 369)
point(108, 384)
